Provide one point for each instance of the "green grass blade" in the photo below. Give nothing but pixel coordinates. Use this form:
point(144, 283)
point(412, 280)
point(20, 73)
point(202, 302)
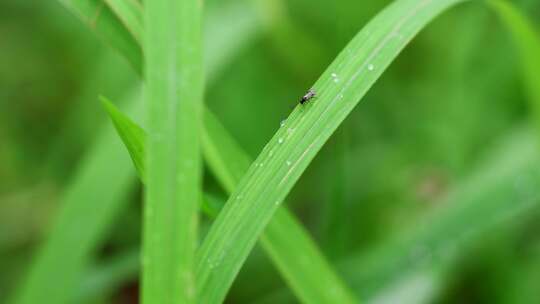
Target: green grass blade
point(87, 208)
point(311, 277)
point(287, 155)
point(104, 23)
point(130, 13)
point(527, 41)
point(174, 92)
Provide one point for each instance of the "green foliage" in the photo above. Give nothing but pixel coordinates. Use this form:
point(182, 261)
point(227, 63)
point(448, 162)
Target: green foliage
point(417, 199)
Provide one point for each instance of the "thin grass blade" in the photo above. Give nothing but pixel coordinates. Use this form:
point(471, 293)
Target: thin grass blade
point(287, 155)
point(310, 276)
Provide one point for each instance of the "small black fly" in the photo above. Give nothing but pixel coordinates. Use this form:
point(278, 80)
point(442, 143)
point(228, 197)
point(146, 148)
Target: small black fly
point(309, 95)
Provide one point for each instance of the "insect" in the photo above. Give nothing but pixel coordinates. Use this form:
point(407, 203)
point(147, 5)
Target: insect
point(309, 95)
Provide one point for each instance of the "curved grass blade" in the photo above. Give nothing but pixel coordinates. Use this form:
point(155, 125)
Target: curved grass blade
point(498, 194)
point(174, 91)
point(310, 276)
point(287, 155)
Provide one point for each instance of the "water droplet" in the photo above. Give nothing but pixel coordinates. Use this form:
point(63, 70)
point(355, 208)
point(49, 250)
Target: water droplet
point(371, 67)
point(280, 140)
point(282, 124)
point(289, 163)
point(261, 164)
point(277, 203)
point(271, 153)
point(214, 263)
point(335, 77)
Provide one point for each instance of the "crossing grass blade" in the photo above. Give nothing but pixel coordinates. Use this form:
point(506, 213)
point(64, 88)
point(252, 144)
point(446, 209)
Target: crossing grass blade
point(287, 155)
point(310, 276)
point(174, 91)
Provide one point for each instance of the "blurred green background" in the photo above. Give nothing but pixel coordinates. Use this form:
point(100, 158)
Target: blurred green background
point(428, 193)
